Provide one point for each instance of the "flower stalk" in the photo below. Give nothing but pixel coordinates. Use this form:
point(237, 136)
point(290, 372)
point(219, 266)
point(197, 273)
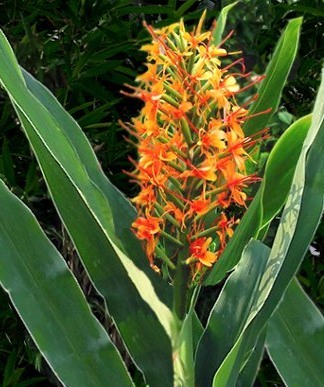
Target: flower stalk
point(192, 153)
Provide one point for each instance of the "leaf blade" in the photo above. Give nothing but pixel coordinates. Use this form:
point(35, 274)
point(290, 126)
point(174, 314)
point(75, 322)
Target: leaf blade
point(275, 78)
point(45, 293)
point(295, 339)
point(300, 219)
point(221, 22)
point(85, 200)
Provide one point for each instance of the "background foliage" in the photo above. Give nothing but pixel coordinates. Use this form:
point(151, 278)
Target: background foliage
point(84, 51)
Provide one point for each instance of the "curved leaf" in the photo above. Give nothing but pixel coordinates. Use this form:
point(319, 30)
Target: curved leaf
point(230, 312)
point(250, 371)
point(220, 24)
point(270, 198)
point(275, 78)
point(45, 294)
point(299, 221)
point(98, 218)
point(280, 168)
point(269, 96)
point(295, 339)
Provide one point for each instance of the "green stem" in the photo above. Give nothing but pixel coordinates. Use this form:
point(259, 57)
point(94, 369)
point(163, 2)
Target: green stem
point(186, 131)
point(171, 238)
point(183, 351)
point(161, 254)
point(160, 212)
point(180, 282)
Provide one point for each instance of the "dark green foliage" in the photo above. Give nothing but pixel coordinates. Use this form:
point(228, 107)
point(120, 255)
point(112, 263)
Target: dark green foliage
point(17, 353)
point(85, 51)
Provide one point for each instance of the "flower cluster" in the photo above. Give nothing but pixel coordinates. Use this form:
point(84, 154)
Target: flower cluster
point(192, 149)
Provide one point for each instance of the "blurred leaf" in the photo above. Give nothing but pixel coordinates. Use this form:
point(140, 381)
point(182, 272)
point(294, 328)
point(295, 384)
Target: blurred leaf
point(146, 9)
point(184, 8)
point(220, 24)
point(302, 8)
point(45, 294)
point(295, 339)
point(32, 183)
point(275, 78)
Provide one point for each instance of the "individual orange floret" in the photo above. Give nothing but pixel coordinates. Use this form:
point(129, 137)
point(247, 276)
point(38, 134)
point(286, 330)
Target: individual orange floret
point(147, 228)
point(199, 252)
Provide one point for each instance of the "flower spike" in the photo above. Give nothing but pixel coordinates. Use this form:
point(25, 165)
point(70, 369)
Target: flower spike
point(191, 146)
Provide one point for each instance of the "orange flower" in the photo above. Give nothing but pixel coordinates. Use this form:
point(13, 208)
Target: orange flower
point(199, 251)
point(146, 227)
point(200, 206)
point(226, 230)
point(191, 146)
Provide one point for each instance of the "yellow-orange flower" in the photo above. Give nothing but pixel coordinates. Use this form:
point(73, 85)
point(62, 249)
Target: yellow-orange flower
point(191, 146)
point(199, 251)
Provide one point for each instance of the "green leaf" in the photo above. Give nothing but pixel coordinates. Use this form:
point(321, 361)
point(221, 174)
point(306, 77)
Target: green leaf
point(220, 24)
point(280, 168)
point(299, 221)
point(247, 229)
point(269, 96)
point(295, 339)
point(98, 218)
point(184, 8)
point(230, 312)
point(275, 78)
point(249, 373)
point(270, 198)
point(51, 303)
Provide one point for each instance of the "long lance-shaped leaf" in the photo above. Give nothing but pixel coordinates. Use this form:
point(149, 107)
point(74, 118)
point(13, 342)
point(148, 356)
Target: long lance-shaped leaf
point(123, 213)
point(85, 200)
point(278, 169)
point(230, 312)
point(275, 78)
point(51, 303)
point(295, 339)
point(269, 97)
point(300, 219)
point(250, 371)
point(220, 24)
point(269, 199)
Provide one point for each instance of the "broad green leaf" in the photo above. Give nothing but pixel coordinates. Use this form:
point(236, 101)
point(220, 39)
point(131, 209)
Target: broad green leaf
point(269, 96)
point(295, 339)
point(279, 170)
point(184, 8)
point(270, 198)
point(249, 373)
point(220, 24)
point(51, 303)
point(231, 311)
point(98, 218)
point(299, 221)
point(275, 78)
